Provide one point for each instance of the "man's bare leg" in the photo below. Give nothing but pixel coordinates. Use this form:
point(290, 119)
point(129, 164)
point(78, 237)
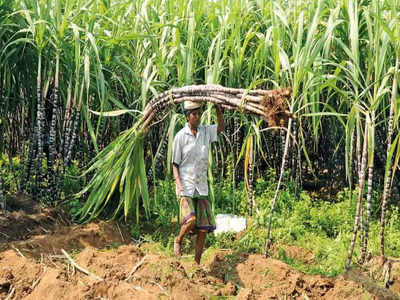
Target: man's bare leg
point(185, 228)
point(201, 238)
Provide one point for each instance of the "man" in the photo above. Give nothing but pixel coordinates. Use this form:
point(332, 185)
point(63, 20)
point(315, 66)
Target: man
point(190, 165)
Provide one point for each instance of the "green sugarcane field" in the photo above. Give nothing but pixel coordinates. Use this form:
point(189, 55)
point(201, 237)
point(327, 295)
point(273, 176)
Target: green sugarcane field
point(133, 134)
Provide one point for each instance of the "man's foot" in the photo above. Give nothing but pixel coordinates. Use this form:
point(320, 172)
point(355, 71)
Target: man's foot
point(177, 248)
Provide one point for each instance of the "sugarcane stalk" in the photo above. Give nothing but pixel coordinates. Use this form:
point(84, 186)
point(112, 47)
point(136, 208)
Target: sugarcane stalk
point(52, 188)
point(297, 162)
point(250, 190)
point(23, 163)
point(29, 161)
point(358, 149)
point(101, 127)
point(53, 126)
point(350, 167)
point(40, 127)
point(236, 147)
point(292, 156)
point(229, 102)
point(358, 143)
point(73, 138)
point(361, 226)
point(284, 157)
point(2, 197)
point(159, 137)
point(368, 213)
point(283, 146)
point(386, 190)
point(66, 123)
point(361, 181)
point(1, 112)
point(213, 94)
point(68, 136)
point(161, 149)
point(232, 96)
point(212, 88)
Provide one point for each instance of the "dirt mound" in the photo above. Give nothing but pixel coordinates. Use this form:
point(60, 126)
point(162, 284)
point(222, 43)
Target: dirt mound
point(73, 238)
point(260, 278)
point(395, 280)
point(25, 218)
point(25, 225)
point(101, 262)
point(22, 202)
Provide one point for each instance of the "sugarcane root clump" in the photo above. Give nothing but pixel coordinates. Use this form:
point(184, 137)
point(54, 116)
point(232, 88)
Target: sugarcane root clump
point(277, 113)
point(270, 105)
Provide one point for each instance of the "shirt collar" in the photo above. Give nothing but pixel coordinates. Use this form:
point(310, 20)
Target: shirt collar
point(187, 129)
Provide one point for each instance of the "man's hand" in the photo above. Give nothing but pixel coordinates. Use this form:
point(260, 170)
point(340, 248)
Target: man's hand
point(221, 124)
point(175, 171)
point(217, 107)
point(179, 190)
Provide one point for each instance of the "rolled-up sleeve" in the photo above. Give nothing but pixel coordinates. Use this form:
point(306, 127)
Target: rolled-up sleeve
point(176, 151)
point(213, 132)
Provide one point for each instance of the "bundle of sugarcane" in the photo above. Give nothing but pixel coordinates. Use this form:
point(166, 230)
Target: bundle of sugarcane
point(121, 163)
point(269, 105)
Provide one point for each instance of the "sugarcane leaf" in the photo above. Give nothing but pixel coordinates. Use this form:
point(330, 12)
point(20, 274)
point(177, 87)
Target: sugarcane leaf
point(242, 150)
point(132, 197)
point(143, 183)
point(303, 144)
point(257, 134)
point(113, 185)
point(350, 125)
point(394, 147)
point(114, 113)
point(171, 129)
point(90, 128)
point(371, 140)
point(126, 192)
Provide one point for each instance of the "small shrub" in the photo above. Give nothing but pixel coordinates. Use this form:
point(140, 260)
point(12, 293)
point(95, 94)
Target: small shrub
point(224, 240)
point(72, 182)
point(10, 172)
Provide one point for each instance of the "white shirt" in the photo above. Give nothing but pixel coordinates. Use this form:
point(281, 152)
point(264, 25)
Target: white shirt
point(190, 153)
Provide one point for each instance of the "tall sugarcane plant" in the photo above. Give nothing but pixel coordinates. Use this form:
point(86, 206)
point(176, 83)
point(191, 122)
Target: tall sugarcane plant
point(389, 155)
point(305, 70)
point(375, 88)
point(393, 31)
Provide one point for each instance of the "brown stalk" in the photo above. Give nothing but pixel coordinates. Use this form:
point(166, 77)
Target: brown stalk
point(269, 105)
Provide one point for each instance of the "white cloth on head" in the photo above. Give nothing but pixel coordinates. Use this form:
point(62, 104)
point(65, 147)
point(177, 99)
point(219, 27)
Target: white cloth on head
point(189, 105)
point(190, 153)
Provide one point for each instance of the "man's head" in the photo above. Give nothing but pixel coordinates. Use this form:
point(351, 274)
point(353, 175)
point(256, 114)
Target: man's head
point(193, 113)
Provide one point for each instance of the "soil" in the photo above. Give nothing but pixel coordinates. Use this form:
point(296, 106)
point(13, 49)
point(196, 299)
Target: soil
point(33, 266)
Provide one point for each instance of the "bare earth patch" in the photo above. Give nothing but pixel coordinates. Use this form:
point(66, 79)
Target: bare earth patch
point(33, 267)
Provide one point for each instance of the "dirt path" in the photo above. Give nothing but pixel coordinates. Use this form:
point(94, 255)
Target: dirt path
point(32, 266)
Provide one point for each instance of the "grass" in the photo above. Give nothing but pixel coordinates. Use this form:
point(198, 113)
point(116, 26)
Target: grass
point(111, 247)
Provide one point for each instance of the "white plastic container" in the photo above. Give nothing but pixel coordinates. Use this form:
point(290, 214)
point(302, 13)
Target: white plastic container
point(229, 223)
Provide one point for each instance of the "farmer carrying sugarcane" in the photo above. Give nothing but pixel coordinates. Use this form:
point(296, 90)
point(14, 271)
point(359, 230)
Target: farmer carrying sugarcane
point(190, 165)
